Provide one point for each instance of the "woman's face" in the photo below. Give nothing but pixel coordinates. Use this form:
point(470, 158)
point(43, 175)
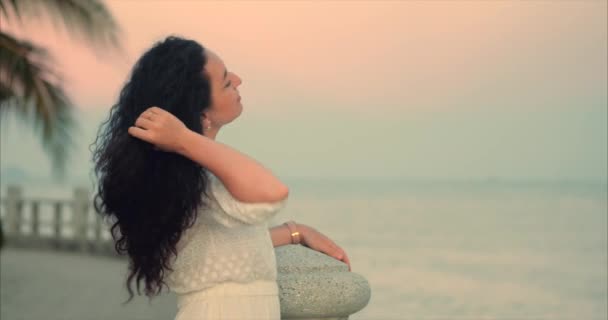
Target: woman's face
point(225, 99)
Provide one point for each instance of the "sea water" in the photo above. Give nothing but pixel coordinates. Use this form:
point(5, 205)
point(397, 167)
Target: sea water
point(436, 249)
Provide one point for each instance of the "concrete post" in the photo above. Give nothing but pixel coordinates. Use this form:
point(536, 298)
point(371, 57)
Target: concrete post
point(99, 226)
point(80, 218)
point(14, 203)
point(35, 220)
point(57, 224)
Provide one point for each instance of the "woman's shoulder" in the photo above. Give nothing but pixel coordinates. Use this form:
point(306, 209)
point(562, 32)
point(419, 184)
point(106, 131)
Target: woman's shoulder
point(246, 212)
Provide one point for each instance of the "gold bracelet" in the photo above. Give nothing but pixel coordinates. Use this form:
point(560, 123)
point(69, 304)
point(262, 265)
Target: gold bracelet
point(295, 235)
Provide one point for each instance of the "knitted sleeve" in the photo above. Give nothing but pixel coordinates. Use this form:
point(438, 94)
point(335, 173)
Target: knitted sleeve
point(245, 212)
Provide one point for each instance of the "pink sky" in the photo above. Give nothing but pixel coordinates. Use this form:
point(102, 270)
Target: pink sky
point(402, 88)
point(394, 56)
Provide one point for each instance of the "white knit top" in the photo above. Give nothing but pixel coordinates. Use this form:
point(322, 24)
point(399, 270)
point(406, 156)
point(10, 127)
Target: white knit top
point(228, 242)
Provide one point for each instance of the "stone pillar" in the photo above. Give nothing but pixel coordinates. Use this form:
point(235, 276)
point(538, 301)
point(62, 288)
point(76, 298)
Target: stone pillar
point(98, 226)
point(315, 286)
point(14, 203)
point(57, 224)
point(35, 220)
point(80, 218)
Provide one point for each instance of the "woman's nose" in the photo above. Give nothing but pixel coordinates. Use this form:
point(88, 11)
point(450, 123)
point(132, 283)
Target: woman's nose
point(238, 80)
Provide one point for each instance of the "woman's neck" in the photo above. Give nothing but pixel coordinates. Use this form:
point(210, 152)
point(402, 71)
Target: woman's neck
point(211, 133)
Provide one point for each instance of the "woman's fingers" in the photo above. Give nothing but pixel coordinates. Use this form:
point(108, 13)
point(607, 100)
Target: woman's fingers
point(341, 255)
point(347, 261)
point(147, 115)
point(144, 123)
point(331, 248)
point(160, 128)
point(319, 242)
point(156, 110)
point(139, 133)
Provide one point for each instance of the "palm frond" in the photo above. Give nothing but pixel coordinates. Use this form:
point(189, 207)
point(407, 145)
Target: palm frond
point(88, 20)
point(33, 90)
point(29, 86)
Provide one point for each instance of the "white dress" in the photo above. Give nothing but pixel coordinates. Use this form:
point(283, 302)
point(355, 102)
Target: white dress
point(226, 267)
point(232, 300)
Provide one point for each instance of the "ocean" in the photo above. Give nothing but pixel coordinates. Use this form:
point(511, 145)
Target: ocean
point(429, 250)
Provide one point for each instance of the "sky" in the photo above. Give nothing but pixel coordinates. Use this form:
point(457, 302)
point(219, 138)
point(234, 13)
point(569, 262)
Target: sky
point(383, 89)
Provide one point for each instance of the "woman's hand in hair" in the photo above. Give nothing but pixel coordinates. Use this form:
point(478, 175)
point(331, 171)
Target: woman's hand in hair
point(319, 242)
point(160, 128)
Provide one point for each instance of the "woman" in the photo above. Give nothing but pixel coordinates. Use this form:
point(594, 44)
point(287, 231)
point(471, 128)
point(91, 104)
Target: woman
point(191, 213)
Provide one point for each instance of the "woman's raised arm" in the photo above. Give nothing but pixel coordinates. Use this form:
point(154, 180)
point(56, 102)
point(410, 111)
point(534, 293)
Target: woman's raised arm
point(246, 179)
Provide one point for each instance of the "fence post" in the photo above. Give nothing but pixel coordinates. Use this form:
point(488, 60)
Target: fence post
point(14, 203)
point(34, 237)
point(79, 217)
point(35, 219)
point(57, 224)
point(98, 229)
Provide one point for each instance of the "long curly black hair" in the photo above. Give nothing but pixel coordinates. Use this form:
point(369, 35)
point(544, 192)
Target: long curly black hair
point(151, 196)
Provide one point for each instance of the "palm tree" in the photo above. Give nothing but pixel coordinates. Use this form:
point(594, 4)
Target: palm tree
point(29, 86)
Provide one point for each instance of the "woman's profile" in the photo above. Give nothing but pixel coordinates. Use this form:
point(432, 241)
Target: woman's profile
point(191, 213)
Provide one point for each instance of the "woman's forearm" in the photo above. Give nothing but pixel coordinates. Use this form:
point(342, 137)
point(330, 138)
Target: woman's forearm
point(246, 179)
point(281, 235)
point(311, 238)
